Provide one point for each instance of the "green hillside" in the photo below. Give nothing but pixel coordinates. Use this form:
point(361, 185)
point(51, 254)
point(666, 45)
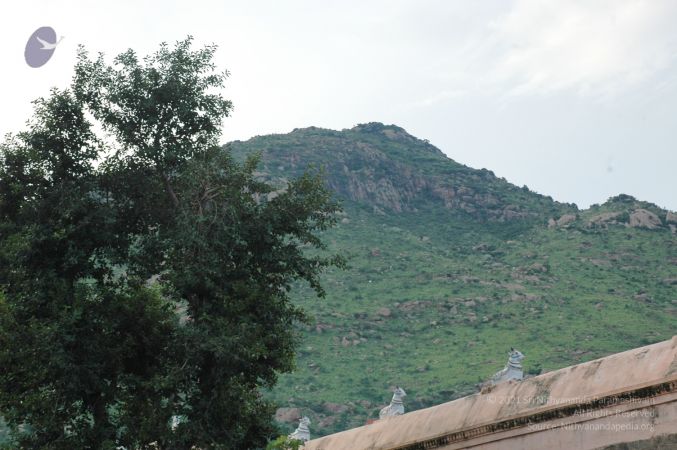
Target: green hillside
point(449, 267)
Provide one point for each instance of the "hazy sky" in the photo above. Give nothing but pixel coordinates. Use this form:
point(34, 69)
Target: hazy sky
point(575, 99)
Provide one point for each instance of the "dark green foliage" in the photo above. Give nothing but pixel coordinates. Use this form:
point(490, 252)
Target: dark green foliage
point(284, 443)
point(146, 277)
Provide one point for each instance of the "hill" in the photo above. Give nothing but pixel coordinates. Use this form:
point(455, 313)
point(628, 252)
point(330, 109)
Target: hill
point(391, 171)
point(449, 267)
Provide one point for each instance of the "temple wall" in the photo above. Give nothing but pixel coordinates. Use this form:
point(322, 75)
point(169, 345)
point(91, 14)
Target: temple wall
point(650, 421)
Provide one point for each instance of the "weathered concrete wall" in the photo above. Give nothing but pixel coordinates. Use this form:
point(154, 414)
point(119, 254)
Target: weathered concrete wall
point(589, 430)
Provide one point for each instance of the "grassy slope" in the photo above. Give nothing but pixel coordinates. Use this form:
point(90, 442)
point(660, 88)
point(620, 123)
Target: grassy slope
point(459, 290)
point(561, 296)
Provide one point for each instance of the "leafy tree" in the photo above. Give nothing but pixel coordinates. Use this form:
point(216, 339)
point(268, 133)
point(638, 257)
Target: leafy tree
point(146, 274)
point(284, 443)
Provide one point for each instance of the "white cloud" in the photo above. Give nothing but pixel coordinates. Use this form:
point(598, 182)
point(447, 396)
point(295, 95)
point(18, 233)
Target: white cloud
point(591, 47)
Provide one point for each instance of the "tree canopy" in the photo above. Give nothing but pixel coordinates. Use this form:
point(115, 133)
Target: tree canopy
point(144, 273)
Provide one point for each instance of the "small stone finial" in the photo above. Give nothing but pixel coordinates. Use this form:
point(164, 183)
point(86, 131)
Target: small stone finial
point(512, 370)
point(302, 433)
point(396, 406)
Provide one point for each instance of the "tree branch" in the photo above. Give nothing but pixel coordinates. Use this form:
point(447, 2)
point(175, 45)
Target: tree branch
point(170, 190)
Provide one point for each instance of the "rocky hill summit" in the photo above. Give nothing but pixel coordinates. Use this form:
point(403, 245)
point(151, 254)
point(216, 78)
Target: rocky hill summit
point(390, 170)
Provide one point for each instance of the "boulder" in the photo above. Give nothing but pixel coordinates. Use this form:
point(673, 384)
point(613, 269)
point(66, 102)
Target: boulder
point(604, 218)
point(384, 312)
point(641, 218)
point(566, 219)
point(288, 415)
point(509, 214)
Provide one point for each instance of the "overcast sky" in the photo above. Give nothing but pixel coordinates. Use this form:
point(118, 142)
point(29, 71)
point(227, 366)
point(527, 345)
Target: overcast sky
point(575, 99)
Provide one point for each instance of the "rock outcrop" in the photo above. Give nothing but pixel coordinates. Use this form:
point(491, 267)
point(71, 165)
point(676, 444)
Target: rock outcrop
point(563, 221)
point(288, 415)
point(642, 218)
point(604, 219)
point(385, 167)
